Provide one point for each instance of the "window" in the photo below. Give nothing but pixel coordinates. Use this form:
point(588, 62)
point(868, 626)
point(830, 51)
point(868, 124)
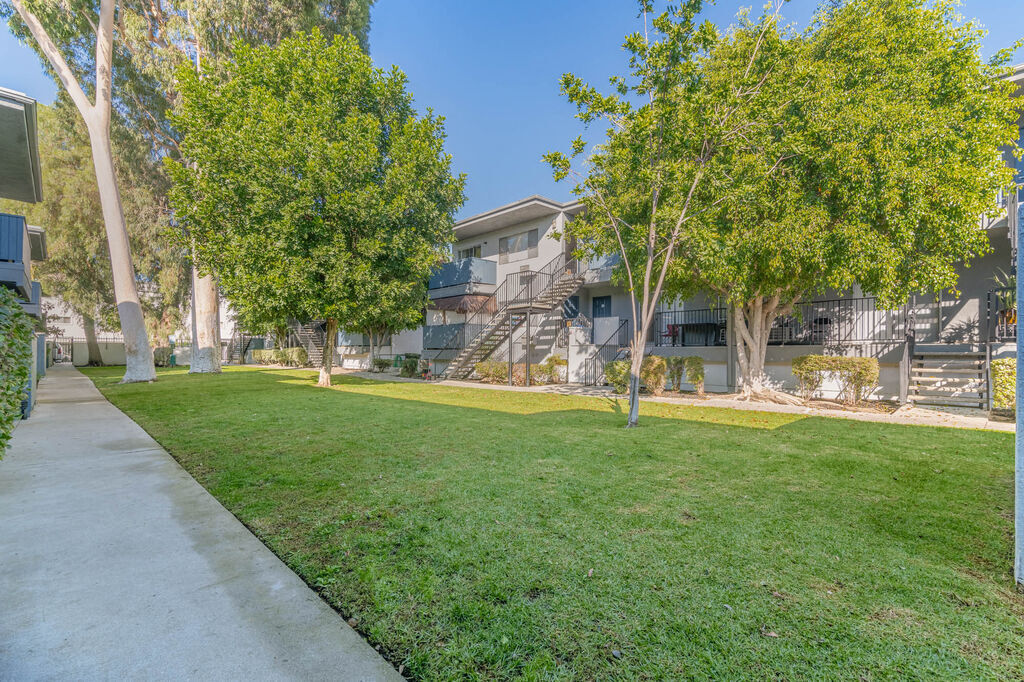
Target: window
point(517, 246)
point(469, 252)
point(602, 306)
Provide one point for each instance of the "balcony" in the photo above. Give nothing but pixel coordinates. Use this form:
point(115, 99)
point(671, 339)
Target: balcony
point(15, 255)
point(600, 269)
point(34, 305)
point(465, 276)
point(441, 335)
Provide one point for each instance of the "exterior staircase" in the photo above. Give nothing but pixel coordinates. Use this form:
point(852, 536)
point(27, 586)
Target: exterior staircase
point(489, 326)
point(237, 347)
point(948, 377)
point(311, 337)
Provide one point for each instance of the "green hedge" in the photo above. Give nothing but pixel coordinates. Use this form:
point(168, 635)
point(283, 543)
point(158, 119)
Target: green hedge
point(290, 357)
point(410, 366)
point(162, 356)
point(381, 364)
point(16, 336)
point(652, 374)
point(694, 366)
point(857, 376)
point(491, 371)
point(1004, 384)
point(616, 373)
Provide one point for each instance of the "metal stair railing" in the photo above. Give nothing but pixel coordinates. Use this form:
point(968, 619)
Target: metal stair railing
point(605, 353)
point(520, 289)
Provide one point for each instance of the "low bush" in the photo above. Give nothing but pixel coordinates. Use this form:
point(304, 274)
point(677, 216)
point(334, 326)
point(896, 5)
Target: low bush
point(263, 357)
point(290, 357)
point(492, 371)
point(410, 366)
point(16, 338)
point(162, 356)
point(857, 376)
point(674, 368)
point(550, 371)
point(616, 373)
point(1004, 384)
point(652, 374)
point(296, 357)
point(694, 367)
point(381, 364)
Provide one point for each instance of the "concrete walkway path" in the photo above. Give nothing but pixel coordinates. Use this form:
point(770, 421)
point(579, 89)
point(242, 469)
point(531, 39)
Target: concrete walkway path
point(116, 564)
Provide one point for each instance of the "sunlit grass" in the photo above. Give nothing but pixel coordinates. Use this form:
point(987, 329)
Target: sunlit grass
point(493, 534)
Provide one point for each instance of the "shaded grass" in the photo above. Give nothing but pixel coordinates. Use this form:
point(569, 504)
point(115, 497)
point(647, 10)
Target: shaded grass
point(481, 534)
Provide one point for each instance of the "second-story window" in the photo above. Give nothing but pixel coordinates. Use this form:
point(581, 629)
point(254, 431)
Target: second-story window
point(469, 252)
point(518, 246)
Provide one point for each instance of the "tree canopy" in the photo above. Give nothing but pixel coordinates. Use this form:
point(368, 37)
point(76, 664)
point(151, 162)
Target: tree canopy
point(864, 150)
point(78, 265)
point(307, 175)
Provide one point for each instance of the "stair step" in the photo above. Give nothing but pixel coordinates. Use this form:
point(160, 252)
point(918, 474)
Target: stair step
point(948, 390)
point(945, 370)
point(948, 353)
point(949, 402)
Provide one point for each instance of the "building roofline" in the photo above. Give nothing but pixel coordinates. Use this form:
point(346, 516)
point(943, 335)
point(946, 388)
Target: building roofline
point(534, 206)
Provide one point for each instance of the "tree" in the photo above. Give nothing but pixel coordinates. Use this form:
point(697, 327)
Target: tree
point(396, 298)
point(887, 115)
point(78, 265)
point(792, 164)
point(160, 38)
point(303, 167)
point(57, 30)
point(154, 39)
point(663, 167)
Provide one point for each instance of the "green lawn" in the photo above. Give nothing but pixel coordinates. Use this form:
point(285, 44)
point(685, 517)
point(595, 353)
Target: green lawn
point(481, 534)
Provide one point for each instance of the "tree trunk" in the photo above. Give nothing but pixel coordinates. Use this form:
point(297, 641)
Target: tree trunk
point(138, 352)
point(753, 321)
point(281, 336)
point(95, 357)
point(206, 345)
point(328, 363)
point(636, 361)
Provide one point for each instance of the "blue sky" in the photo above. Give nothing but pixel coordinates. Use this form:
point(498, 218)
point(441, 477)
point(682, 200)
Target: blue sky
point(492, 69)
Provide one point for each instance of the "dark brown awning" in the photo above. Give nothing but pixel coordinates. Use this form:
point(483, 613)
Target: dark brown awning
point(465, 303)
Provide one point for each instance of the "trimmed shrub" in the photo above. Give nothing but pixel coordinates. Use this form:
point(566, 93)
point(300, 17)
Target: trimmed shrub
point(1004, 384)
point(296, 357)
point(410, 366)
point(652, 374)
point(675, 366)
point(857, 376)
point(263, 357)
point(381, 364)
point(16, 338)
point(694, 367)
point(550, 371)
point(616, 373)
point(491, 371)
point(162, 356)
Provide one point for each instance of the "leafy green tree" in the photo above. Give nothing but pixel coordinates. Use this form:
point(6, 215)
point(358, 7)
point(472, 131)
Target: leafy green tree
point(395, 299)
point(877, 166)
point(160, 38)
point(673, 125)
point(78, 265)
point(61, 31)
point(304, 170)
point(782, 165)
point(154, 39)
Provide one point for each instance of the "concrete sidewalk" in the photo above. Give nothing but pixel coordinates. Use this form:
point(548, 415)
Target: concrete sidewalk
point(116, 564)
